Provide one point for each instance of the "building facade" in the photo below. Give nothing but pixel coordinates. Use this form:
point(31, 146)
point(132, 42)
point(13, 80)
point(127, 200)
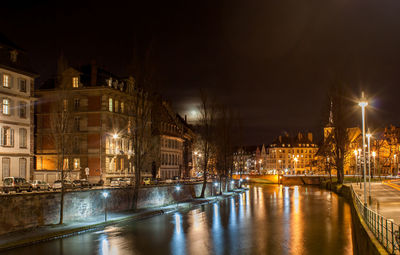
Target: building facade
point(16, 111)
point(174, 138)
point(99, 131)
point(291, 154)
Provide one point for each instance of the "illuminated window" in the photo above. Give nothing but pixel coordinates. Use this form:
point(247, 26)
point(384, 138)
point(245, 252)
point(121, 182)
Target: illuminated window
point(7, 136)
point(6, 81)
point(65, 164)
point(75, 82)
point(6, 106)
point(122, 107)
point(116, 105)
point(109, 82)
point(77, 163)
point(110, 104)
point(65, 105)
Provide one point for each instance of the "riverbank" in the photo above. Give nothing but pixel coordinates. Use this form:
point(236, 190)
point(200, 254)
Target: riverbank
point(363, 239)
point(44, 233)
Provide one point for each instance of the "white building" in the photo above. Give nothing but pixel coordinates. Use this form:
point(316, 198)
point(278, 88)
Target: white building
point(16, 111)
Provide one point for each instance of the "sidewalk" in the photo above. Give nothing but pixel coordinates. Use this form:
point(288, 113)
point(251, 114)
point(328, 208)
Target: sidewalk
point(385, 199)
point(44, 233)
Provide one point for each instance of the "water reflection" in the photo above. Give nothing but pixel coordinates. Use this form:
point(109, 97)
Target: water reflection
point(269, 219)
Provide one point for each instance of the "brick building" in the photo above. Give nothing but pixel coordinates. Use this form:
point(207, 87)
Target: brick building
point(99, 135)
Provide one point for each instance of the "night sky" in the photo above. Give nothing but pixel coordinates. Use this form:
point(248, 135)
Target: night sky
point(273, 61)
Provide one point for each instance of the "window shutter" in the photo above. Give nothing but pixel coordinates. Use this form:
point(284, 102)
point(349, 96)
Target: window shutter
point(2, 136)
point(1, 79)
point(12, 137)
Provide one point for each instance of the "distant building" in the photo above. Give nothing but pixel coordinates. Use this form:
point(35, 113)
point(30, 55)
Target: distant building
point(174, 140)
point(244, 159)
point(291, 154)
point(16, 122)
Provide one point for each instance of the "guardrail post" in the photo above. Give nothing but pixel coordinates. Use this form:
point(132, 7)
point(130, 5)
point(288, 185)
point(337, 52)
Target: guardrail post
point(391, 227)
point(382, 229)
point(387, 240)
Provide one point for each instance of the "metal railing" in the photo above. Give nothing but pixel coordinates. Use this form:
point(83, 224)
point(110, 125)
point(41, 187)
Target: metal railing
point(385, 230)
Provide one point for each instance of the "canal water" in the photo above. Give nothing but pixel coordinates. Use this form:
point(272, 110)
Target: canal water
point(266, 219)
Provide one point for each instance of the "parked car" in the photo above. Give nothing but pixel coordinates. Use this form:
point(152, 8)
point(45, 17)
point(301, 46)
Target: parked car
point(40, 185)
point(67, 185)
point(114, 183)
point(16, 184)
point(85, 184)
point(146, 181)
point(76, 184)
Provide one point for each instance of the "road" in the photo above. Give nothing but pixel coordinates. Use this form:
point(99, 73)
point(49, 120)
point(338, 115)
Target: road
point(385, 198)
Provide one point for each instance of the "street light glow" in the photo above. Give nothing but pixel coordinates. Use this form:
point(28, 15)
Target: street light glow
point(178, 188)
point(105, 194)
point(373, 154)
point(115, 136)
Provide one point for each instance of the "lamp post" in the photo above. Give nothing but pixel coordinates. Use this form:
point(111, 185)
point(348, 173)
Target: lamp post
point(363, 103)
point(178, 188)
point(355, 162)
point(105, 195)
point(369, 166)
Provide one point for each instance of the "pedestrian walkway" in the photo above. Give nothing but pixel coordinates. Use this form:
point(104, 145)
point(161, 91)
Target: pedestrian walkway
point(385, 198)
point(43, 233)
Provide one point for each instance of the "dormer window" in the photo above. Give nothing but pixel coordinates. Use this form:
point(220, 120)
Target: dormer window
point(109, 82)
point(75, 82)
point(13, 56)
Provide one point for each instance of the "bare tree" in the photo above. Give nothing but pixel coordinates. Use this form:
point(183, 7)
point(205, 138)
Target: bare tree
point(206, 121)
point(224, 144)
point(139, 126)
point(60, 122)
point(336, 141)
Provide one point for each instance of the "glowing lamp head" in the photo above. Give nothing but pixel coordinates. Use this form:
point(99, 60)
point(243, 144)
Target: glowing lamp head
point(178, 188)
point(373, 154)
point(105, 194)
point(233, 182)
point(369, 135)
point(363, 104)
point(216, 184)
point(115, 136)
point(240, 180)
point(247, 178)
point(355, 152)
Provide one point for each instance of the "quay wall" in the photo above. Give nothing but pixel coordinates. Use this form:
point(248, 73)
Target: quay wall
point(30, 210)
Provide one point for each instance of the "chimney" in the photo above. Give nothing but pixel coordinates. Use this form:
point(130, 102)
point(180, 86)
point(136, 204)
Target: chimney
point(93, 73)
point(309, 136)
point(185, 118)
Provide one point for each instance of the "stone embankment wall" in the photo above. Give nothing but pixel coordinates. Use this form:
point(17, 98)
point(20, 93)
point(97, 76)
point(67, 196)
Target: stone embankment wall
point(364, 241)
point(27, 210)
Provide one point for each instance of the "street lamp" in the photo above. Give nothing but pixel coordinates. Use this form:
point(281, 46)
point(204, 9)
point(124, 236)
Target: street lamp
point(363, 103)
point(105, 195)
point(178, 188)
point(369, 166)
